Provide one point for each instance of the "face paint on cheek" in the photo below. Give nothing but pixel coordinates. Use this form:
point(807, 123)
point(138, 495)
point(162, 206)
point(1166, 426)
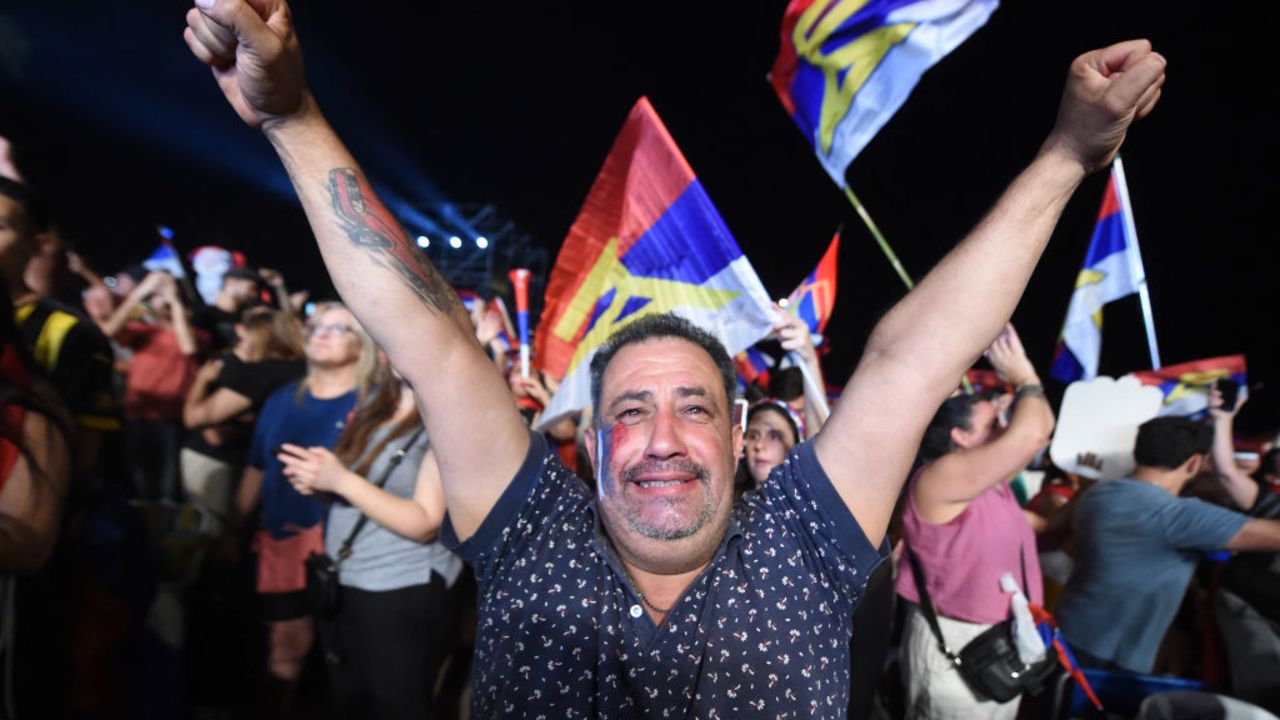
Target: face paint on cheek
point(605, 442)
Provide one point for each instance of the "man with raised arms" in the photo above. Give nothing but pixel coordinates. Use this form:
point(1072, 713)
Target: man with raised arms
point(659, 597)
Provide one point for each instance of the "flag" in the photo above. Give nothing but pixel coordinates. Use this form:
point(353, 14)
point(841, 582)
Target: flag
point(753, 365)
point(1112, 270)
point(845, 66)
point(815, 298)
point(647, 240)
point(167, 259)
point(1186, 386)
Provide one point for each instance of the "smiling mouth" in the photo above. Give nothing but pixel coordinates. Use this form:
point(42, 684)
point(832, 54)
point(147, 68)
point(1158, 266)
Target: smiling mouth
point(661, 483)
point(659, 475)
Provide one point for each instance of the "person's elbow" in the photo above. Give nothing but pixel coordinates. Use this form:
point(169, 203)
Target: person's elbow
point(425, 531)
point(194, 418)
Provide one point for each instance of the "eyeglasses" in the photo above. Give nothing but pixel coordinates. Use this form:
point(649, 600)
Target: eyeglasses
point(314, 329)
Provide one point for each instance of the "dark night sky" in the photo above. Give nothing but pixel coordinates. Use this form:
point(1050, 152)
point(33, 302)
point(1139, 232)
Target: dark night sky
point(517, 104)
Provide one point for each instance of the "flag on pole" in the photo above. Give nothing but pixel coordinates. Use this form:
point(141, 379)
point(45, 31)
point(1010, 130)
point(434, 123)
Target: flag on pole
point(167, 259)
point(753, 365)
point(1186, 386)
point(815, 298)
point(845, 66)
point(647, 240)
point(1112, 270)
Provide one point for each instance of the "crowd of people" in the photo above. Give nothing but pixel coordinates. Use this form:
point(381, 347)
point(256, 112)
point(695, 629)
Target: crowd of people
point(248, 507)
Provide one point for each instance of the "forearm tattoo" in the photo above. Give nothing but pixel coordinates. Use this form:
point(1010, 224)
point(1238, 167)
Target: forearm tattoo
point(371, 227)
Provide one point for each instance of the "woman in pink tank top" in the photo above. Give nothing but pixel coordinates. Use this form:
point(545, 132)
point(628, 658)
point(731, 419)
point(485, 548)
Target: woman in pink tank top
point(967, 530)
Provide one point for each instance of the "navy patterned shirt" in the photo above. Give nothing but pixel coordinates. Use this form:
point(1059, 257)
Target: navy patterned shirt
point(763, 632)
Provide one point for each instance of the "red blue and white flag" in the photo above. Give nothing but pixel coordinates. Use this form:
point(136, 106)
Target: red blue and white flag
point(1112, 270)
point(844, 67)
point(1186, 386)
point(753, 366)
point(815, 298)
point(647, 240)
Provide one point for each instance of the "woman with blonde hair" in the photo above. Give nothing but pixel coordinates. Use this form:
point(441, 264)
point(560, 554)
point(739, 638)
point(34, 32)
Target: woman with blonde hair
point(226, 397)
point(312, 412)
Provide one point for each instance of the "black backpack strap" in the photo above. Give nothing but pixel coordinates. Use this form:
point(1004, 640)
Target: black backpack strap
point(926, 604)
point(345, 551)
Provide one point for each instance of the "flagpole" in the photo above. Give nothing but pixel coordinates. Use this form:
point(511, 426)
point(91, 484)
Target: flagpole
point(875, 232)
point(1122, 188)
point(816, 391)
point(893, 260)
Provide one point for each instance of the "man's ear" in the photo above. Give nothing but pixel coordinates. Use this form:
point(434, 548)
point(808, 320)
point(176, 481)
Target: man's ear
point(736, 439)
point(589, 440)
point(1194, 465)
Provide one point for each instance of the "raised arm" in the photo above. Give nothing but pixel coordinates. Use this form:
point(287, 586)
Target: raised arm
point(387, 282)
point(794, 336)
point(946, 486)
point(1242, 489)
point(920, 348)
point(114, 324)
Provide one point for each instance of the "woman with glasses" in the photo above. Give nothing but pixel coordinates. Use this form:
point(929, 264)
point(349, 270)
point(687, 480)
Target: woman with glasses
point(312, 412)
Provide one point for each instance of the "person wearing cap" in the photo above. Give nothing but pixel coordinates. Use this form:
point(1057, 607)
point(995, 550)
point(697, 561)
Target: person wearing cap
point(241, 289)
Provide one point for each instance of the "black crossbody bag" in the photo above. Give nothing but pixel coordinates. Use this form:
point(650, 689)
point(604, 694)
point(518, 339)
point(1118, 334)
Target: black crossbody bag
point(324, 591)
point(989, 663)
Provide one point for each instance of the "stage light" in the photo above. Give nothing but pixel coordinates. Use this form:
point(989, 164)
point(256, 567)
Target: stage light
point(455, 242)
point(482, 242)
point(424, 241)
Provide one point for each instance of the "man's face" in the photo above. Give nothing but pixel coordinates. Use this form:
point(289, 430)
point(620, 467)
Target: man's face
point(665, 448)
point(240, 289)
point(15, 245)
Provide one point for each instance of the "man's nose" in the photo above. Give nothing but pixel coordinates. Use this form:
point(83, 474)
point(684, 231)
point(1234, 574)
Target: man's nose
point(665, 439)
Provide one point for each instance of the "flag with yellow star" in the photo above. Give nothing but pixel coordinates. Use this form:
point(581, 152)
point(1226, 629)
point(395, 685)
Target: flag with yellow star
point(1112, 270)
point(844, 67)
point(1186, 385)
point(647, 240)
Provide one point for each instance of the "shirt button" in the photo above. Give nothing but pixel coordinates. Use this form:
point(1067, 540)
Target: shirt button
point(636, 611)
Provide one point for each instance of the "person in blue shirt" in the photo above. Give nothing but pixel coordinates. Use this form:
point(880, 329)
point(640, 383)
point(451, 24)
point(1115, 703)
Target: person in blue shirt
point(1137, 543)
point(341, 360)
point(658, 595)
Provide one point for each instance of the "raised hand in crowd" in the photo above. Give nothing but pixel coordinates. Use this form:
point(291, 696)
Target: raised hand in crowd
point(794, 336)
point(1239, 486)
point(970, 445)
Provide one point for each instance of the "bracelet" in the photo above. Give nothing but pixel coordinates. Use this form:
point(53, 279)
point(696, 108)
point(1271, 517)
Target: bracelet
point(1031, 389)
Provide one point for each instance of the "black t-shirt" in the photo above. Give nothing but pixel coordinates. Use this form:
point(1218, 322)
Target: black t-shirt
point(77, 358)
point(229, 441)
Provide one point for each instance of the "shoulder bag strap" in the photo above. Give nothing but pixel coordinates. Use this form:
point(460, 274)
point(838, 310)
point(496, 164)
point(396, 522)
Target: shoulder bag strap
point(926, 604)
point(345, 551)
